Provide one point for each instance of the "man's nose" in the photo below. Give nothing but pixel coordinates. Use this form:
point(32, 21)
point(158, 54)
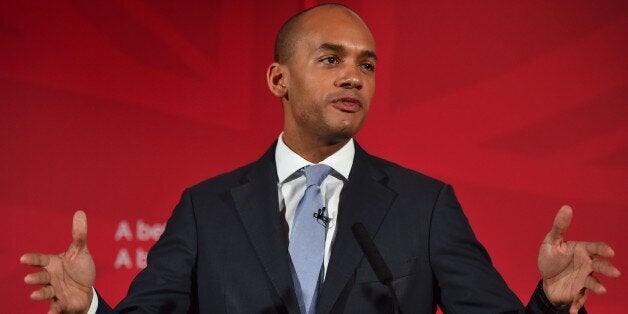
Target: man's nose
point(350, 78)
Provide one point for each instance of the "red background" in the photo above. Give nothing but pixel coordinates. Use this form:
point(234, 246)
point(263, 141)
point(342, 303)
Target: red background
point(115, 107)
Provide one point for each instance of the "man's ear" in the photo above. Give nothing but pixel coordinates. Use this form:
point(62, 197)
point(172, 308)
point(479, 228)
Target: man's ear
point(276, 78)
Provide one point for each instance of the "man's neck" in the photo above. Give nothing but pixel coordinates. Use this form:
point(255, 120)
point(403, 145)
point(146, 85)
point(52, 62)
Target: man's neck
point(311, 150)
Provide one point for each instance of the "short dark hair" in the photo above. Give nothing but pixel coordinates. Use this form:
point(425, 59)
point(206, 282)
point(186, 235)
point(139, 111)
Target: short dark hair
point(287, 37)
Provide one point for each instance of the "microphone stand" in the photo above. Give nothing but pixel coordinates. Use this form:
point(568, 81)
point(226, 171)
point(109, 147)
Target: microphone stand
point(376, 261)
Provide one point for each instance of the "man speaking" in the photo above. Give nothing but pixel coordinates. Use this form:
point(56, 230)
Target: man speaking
point(275, 236)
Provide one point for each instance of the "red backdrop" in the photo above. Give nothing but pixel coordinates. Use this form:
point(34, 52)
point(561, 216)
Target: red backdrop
point(115, 107)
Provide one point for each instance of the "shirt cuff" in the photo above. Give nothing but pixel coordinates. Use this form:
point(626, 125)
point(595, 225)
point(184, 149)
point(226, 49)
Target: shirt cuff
point(94, 305)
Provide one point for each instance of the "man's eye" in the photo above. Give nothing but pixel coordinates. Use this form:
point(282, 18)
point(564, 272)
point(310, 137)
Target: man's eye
point(368, 67)
point(330, 60)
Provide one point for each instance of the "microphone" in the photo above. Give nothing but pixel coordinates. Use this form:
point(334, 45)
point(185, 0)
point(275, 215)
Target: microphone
point(375, 260)
point(321, 218)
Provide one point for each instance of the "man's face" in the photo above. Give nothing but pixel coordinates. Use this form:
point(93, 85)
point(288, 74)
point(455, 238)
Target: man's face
point(330, 77)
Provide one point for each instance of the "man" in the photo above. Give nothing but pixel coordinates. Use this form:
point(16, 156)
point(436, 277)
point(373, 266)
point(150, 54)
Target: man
point(231, 243)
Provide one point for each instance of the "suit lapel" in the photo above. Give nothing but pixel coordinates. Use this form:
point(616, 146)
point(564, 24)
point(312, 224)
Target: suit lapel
point(364, 199)
point(257, 205)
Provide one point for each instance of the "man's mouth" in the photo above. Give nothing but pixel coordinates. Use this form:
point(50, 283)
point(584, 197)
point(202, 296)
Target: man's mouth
point(347, 103)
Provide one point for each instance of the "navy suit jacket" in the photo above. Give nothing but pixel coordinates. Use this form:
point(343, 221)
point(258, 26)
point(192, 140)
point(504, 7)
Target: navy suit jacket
point(225, 250)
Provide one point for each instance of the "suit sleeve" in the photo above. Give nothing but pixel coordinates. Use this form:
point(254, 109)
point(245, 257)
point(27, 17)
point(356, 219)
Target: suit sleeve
point(166, 285)
point(466, 281)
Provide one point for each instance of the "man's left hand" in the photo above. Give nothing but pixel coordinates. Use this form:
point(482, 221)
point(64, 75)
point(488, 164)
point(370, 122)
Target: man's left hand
point(568, 268)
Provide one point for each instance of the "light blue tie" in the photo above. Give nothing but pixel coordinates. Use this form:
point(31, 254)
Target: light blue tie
point(307, 239)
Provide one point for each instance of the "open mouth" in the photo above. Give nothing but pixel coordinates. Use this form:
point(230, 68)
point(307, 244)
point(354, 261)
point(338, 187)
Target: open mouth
point(347, 104)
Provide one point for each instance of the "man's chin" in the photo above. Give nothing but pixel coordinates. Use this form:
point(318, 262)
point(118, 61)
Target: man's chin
point(344, 134)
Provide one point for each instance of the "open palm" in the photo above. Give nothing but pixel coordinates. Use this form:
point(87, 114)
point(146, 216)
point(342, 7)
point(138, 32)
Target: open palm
point(66, 279)
point(568, 267)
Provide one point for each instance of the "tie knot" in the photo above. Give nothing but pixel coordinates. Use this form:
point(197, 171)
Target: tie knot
point(315, 174)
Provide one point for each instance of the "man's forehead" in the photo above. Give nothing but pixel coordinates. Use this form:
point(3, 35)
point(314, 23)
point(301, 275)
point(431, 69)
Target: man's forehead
point(339, 27)
point(320, 40)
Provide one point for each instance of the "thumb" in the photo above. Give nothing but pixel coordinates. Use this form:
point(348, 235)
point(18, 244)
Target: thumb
point(561, 223)
point(79, 231)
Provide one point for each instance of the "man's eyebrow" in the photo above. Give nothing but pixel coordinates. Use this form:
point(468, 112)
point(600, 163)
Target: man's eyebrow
point(332, 47)
point(369, 54)
point(340, 49)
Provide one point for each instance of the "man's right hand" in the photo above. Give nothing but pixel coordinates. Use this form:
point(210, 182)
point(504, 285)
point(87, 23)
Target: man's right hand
point(66, 279)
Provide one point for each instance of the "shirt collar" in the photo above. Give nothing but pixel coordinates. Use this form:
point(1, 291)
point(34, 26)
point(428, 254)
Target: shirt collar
point(288, 162)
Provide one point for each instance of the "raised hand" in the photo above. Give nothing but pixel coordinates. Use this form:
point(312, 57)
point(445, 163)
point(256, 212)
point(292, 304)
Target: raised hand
point(66, 279)
point(568, 268)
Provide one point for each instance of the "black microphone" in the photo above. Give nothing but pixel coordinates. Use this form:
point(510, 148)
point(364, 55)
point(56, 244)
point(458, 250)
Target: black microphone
point(375, 260)
point(321, 218)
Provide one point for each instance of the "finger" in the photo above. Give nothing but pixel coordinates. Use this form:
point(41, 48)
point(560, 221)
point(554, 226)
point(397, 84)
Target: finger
point(79, 227)
point(604, 267)
point(599, 248)
point(44, 293)
point(561, 223)
point(79, 233)
point(35, 259)
point(54, 308)
point(594, 285)
point(578, 303)
point(40, 278)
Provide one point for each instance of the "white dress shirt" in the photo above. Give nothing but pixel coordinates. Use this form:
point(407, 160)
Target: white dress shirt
point(291, 187)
